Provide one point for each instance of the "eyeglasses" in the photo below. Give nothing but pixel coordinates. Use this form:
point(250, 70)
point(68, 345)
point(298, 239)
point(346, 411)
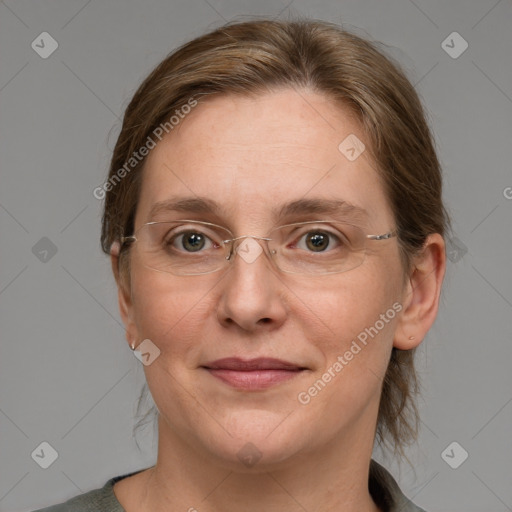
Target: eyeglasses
point(187, 247)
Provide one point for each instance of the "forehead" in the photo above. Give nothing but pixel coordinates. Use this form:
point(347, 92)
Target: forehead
point(252, 154)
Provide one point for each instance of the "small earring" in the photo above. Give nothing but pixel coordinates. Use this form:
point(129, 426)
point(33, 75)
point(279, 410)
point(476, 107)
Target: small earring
point(412, 338)
point(132, 345)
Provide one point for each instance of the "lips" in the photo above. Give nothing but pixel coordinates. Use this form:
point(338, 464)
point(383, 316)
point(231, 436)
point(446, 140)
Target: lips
point(262, 363)
point(253, 374)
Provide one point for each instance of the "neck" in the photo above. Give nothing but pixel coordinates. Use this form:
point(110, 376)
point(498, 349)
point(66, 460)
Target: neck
point(332, 478)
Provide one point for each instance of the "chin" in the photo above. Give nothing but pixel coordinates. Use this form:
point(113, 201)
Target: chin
point(256, 441)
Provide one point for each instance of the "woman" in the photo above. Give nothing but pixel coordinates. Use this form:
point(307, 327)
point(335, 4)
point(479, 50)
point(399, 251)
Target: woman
point(274, 220)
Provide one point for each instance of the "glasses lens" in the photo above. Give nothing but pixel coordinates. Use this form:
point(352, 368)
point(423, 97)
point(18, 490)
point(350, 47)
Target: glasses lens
point(317, 247)
point(193, 248)
point(182, 248)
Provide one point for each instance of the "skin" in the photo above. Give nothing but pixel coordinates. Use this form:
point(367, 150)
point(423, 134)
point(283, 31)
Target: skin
point(250, 154)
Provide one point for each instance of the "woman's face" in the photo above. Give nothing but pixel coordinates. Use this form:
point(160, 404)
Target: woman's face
point(252, 156)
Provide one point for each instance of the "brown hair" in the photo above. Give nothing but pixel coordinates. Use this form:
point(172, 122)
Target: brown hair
point(258, 56)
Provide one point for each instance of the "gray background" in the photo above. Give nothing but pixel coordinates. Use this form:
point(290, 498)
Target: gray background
point(67, 376)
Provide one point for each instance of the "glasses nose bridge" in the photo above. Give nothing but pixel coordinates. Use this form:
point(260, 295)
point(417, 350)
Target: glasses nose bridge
point(233, 243)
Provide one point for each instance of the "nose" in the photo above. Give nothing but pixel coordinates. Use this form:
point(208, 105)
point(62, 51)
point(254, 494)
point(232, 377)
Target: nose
point(253, 292)
point(248, 248)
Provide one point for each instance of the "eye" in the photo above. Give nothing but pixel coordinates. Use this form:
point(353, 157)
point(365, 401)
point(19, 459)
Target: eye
point(190, 240)
point(319, 240)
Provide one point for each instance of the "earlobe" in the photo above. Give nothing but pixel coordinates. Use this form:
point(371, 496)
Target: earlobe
point(422, 294)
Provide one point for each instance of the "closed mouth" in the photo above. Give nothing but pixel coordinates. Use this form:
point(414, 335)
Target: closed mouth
point(262, 363)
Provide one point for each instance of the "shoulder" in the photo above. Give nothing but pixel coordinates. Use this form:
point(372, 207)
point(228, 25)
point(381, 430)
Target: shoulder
point(97, 500)
point(386, 492)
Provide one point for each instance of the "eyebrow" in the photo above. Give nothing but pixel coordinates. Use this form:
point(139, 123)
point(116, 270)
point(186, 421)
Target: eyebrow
point(334, 208)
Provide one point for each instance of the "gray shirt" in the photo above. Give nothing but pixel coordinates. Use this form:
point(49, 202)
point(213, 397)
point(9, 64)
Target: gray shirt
point(382, 486)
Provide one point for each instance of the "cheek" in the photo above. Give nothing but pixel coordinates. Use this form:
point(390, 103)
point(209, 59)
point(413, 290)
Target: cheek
point(344, 305)
point(358, 318)
point(169, 310)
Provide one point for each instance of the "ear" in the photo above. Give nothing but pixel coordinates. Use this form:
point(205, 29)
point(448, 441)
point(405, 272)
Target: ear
point(124, 296)
point(421, 295)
